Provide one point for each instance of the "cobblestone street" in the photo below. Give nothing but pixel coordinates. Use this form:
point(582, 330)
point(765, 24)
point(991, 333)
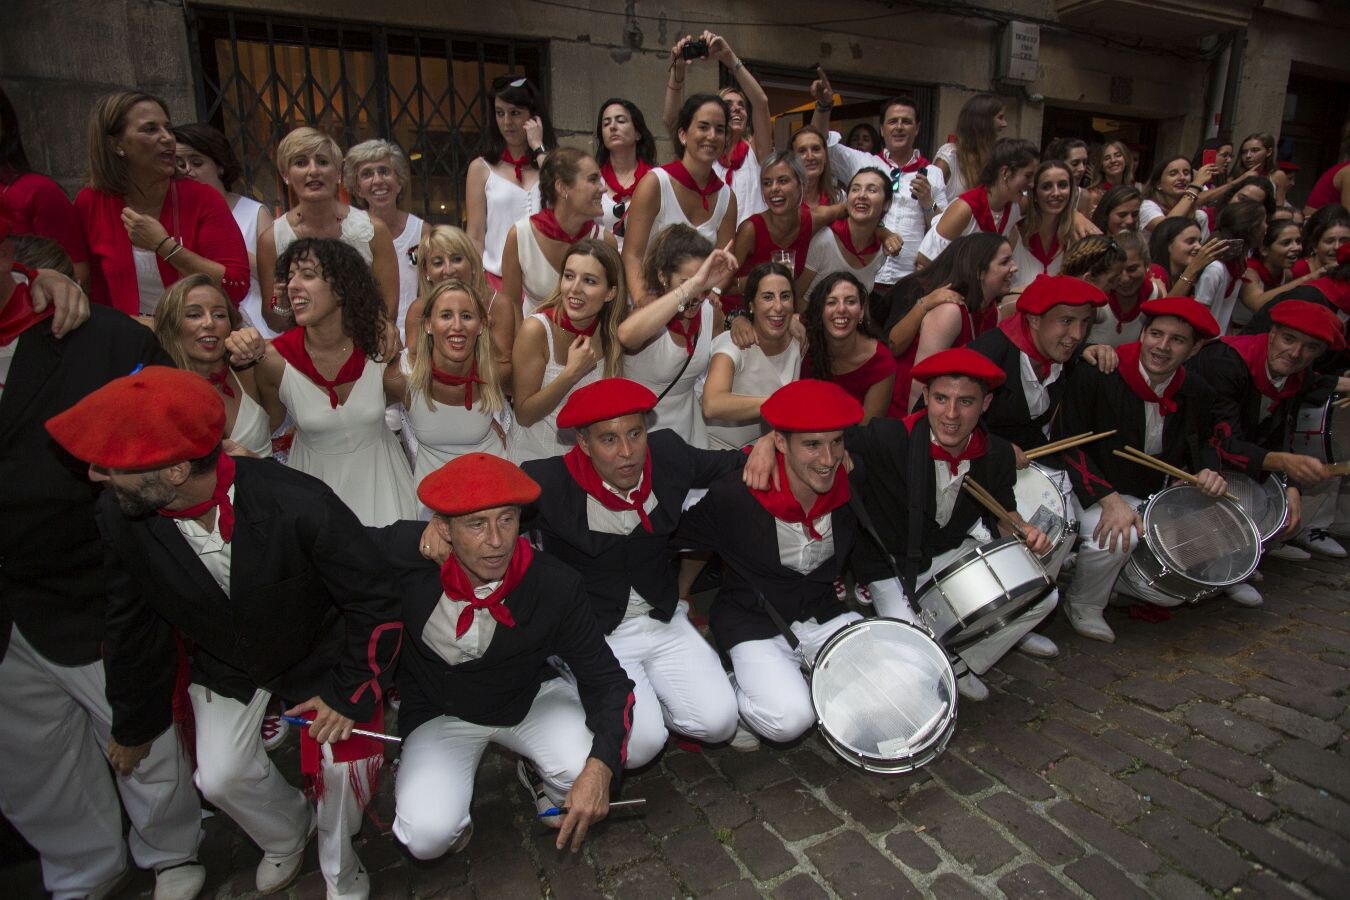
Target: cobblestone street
point(1200, 756)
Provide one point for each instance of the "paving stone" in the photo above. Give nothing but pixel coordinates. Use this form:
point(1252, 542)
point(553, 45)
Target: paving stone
point(1143, 724)
point(1316, 837)
point(1018, 778)
point(619, 843)
point(1273, 852)
point(648, 880)
point(800, 887)
point(1312, 703)
point(1099, 878)
point(1146, 753)
point(1246, 800)
point(1032, 881)
point(1315, 805)
point(953, 887)
point(1330, 882)
point(1192, 849)
point(667, 810)
point(699, 860)
point(688, 767)
point(959, 776)
point(1019, 665)
point(752, 771)
point(812, 768)
point(1125, 850)
point(1230, 729)
point(861, 805)
point(761, 851)
point(1221, 761)
point(737, 890)
point(1035, 694)
point(854, 868)
point(570, 876)
point(1266, 887)
point(1022, 745)
point(1082, 695)
point(1096, 790)
point(506, 875)
point(912, 851)
point(1207, 685)
point(1151, 692)
point(1085, 745)
point(962, 834)
point(1290, 721)
point(1175, 886)
point(1161, 790)
point(723, 807)
point(1300, 670)
point(1031, 828)
point(1311, 764)
point(792, 811)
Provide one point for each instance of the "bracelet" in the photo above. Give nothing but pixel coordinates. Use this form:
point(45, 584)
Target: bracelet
point(248, 365)
point(172, 252)
point(1196, 187)
point(535, 151)
point(676, 85)
point(1191, 194)
point(161, 243)
point(739, 65)
point(1186, 279)
point(717, 291)
point(824, 106)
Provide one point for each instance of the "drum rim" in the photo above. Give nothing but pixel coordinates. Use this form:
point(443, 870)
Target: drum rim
point(948, 638)
point(1164, 560)
point(1277, 478)
point(879, 765)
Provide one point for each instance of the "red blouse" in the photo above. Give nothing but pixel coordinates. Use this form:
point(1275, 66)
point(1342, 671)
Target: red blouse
point(904, 363)
point(40, 207)
point(765, 247)
point(879, 366)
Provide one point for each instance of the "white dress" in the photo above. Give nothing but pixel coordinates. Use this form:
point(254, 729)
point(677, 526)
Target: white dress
point(745, 186)
point(956, 185)
point(250, 430)
point(538, 278)
point(934, 243)
point(826, 255)
point(756, 375)
point(670, 213)
point(1028, 266)
point(246, 217)
point(357, 233)
point(349, 448)
point(405, 251)
point(506, 203)
point(1219, 291)
point(544, 438)
point(656, 364)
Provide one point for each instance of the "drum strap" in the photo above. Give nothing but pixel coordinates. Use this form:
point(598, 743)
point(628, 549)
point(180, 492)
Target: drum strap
point(778, 622)
point(860, 510)
point(920, 464)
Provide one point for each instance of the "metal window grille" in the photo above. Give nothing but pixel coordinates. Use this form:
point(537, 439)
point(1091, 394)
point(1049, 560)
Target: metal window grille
point(258, 76)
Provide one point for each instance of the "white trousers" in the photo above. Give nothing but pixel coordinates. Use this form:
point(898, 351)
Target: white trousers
point(773, 697)
point(1324, 504)
point(888, 596)
point(436, 770)
point(235, 773)
point(1098, 569)
point(56, 787)
point(679, 684)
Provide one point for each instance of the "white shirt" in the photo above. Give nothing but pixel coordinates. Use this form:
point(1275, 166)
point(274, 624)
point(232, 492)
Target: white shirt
point(1219, 291)
point(948, 487)
point(1153, 417)
point(1036, 391)
point(212, 549)
point(439, 632)
point(6, 357)
point(149, 283)
point(798, 551)
point(1278, 383)
point(603, 520)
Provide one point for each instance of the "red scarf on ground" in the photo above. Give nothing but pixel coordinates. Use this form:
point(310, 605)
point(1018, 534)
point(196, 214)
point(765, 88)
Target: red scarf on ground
point(1254, 350)
point(519, 164)
point(547, 222)
point(677, 171)
point(686, 328)
point(17, 315)
point(782, 503)
point(1018, 330)
point(558, 316)
point(465, 381)
point(978, 201)
point(291, 347)
point(976, 447)
point(219, 497)
point(455, 583)
point(841, 231)
point(1129, 370)
point(618, 192)
point(221, 380)
point(1037, 249)
point(584, 473)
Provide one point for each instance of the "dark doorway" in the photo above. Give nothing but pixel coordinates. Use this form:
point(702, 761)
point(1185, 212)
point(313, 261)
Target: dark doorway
point(1313, 129)
point(1097, 127)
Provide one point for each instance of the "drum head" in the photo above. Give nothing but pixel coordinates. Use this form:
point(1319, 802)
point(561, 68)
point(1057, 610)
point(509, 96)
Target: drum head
point(1264, 501)
point(1338, 431)
point(1040, 501)
point(885, 695)
point(1209, 540)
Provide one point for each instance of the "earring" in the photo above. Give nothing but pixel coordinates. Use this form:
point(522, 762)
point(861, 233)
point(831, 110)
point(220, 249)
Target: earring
point(121, 153)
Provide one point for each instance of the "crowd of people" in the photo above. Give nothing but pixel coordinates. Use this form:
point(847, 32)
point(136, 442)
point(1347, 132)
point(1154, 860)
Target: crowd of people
point(266, 466)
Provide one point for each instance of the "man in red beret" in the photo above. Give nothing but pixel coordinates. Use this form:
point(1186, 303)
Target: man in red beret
point(915, 468)
point(275, 588)
point(1154, 405)
point(609, 508)
point(481, 628)
point(54, 718)
point(783, 547)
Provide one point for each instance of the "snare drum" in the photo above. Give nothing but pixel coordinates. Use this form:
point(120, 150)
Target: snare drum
point(1193, 544)
point(1265, 502)
point(1322, 431)
point(981, 591)
point(884, 695)
point(1042, 503)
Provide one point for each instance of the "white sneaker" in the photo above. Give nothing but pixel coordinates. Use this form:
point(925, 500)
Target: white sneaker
point(1244, 594)
point(744, 739)
point(1090, 624)
point(972, 688)
point(274, 730)
point(1038, 645)
point(276, 873)
point(534, 784)
point(181, 882)
point(1288, 552)
point(1321, 543)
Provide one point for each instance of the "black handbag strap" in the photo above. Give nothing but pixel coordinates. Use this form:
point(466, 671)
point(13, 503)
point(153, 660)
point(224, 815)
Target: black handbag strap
point(687, 358)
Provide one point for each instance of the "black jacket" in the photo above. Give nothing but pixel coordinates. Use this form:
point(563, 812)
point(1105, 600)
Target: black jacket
point(553, 618)
point(311, 609)
point(52, 584)
point(1008, 416)
point(613, 564)
point(1333, 362)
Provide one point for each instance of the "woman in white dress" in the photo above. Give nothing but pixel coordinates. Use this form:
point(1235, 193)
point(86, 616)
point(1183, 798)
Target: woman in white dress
point(311, 165)
point(203, 154)
point(327, 372)
point(192, 321)
point(569, 342)
point(450, 387)
point(625, 148)
point(993, 205)
point(1047, 231)
point(668, 342)
point(570, 190)
point(851, 244)
point(503, 183)
point(376, 173)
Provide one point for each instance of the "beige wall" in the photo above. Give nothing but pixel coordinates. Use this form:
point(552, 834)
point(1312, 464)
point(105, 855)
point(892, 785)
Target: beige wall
point(1277, 39)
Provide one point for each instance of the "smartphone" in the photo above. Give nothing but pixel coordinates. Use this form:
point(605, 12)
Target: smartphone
point(1209, 157)
point(694, 49)
point(1233, 248)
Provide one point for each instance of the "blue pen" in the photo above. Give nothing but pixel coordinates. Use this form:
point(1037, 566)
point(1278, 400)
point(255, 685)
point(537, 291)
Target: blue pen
point(139, 366)
point(617, 804)
point(377, 735)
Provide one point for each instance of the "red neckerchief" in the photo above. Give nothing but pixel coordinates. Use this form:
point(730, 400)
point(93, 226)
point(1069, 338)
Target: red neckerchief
point(558, 316)
point(1018, 330)
point(1123, 318)
point(733, 162)
point(18, 316)
point(618, 192)
point(841, 231)
point(978, 201)
point(291, 347)
point(455, 583)
point(677, 171)
point(1037, 249)
point(221, 380)
point(1158, 272)
point(976, 447)
point(783, 505)
point(1129, 370)
point(519, 164)
point(1268, 280)
point(583, 472)
point(465, 381)
point(916, 162)
point(686, 328)
point(1254, 350)
point(547, 222)
point(1236, 268)
point(219, 497)
point(1105, 186)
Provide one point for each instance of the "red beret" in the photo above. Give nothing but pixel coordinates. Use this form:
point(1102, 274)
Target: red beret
point(1343, 254)
point(603, 400)
point(1285, 165)
point(1051, 290)
point(1313, 319)
point(153, 418)
point(476, 481)
point(960, 361)
point(812, 406)
point(1196, 314)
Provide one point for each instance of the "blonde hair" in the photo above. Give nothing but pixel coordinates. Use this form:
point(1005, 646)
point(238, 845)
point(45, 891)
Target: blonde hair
point(371, 151)
point(491, 397)
point(1035, 217)
point(107, 170)
point(169, 314)
point(450, 239)
point(304, 140)
point(613, 312)
point(1126, 174)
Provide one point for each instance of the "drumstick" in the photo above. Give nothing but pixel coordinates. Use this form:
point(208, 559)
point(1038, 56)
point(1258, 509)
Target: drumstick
point(1339, 468)
point(377, 735)
point(1152, 462)
point(616, 804)
point(1342, 403)
point(1067, 443)
point(987, 500)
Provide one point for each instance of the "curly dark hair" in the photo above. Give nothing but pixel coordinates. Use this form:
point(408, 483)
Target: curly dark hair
point(814, 321)
point(363, 313)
